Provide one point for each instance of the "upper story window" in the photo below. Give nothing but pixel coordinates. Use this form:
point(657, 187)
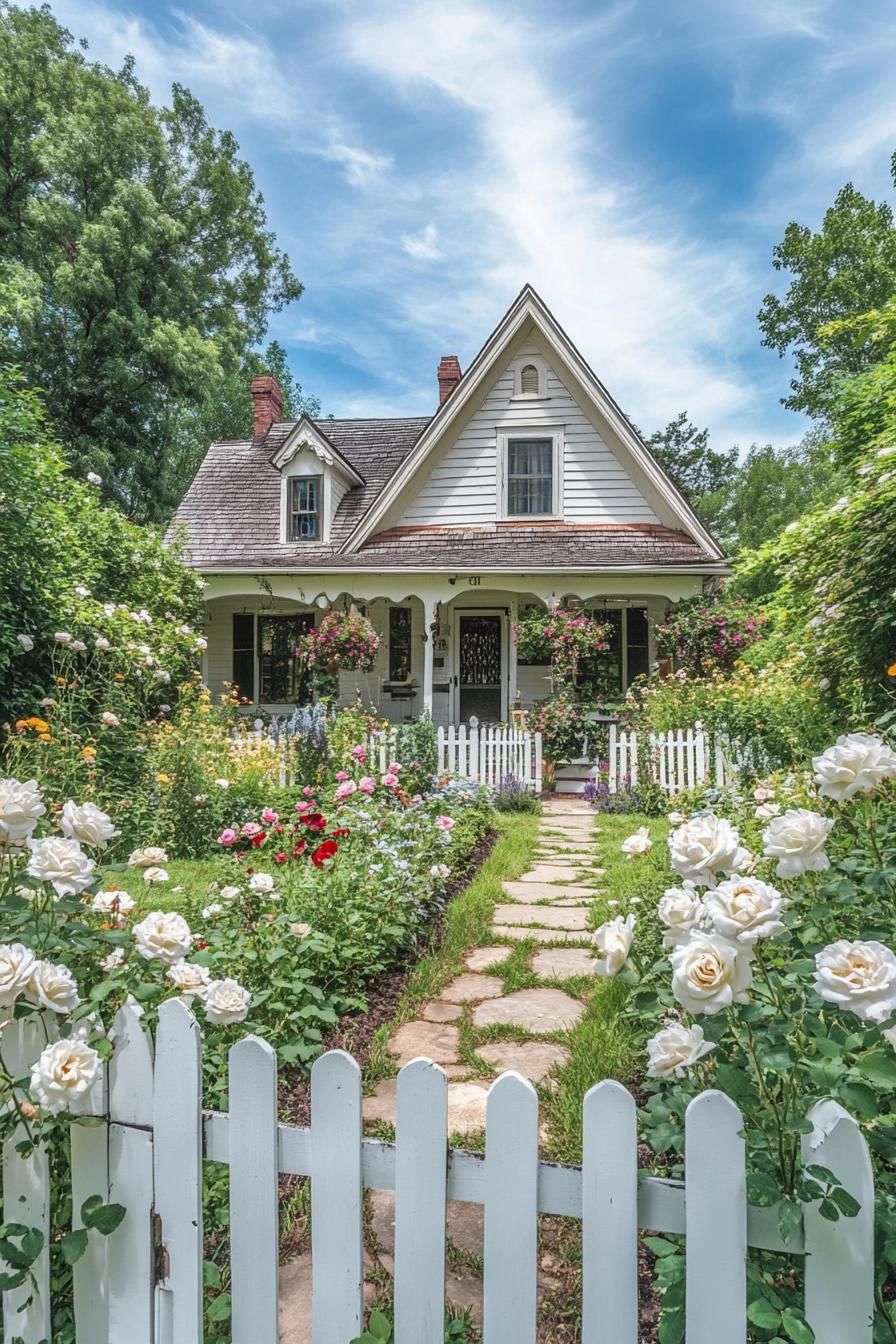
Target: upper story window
point(529, 380)
point(530, 476)
point(305, 508)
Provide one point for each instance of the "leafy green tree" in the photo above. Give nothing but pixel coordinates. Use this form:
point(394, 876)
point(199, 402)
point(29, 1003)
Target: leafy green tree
point(773, 487)
point(65, 557)
point(135, 248)
point(845, 269)
point(702, 473)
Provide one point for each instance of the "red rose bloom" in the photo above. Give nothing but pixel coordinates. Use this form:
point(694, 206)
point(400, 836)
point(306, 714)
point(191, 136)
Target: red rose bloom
point(299, 848)
point(258, 839)
point(315, 822)
point(339, 832)
point(327, 850)
point(281, 857)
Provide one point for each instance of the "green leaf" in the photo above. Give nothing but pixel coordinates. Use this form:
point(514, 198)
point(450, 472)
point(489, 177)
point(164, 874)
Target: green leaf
point(790, 1219)
point(797, 1329)
point(379, 1326)
point(762, 1190)
point(73, 1245)
point(848, 1205)
point(211, 1274)
point(103, 1217)
point(763, 1314)
point(879, 1068)
point(660, 1246)
point(219, 1308)
point(672, 1327)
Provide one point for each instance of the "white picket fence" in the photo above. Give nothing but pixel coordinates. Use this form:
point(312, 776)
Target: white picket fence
point(488, 754)
point(681, 758)
point(269, 745)
point(144, 1283)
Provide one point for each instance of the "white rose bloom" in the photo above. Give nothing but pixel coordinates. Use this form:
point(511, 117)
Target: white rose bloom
point(226, 1001)
point(639, 843)
point(745, 909)
point(54, 987)
point(222, 783)
point(676, 818)
point(613, 942)
point(163, 935)
point(109, 719)
point(115, 958)
point(62, 637)
point(765, 811)
point(209, 911)
point(704, 847)
point(116, 904)
point(675, 1049)
point(64, 1073)
point(440, 870)
point(16, 964)
point(26, 642)
point(78, 646)
point(856, 763)
point(229, 893)
point(190, 980)
point(62, 862)
point(101, 643)
point(261, 882)
point(85, 822)
point(20, 810)
point(681, 910)
point(93, 478)
point(201, 644)
point(148, 857)
point(858, 976)
point(796, 839)
point(81, 590)
point(301, 930)
point(155, 875)
point(710, 973)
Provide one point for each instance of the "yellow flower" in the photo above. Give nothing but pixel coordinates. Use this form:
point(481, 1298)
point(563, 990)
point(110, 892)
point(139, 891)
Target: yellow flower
point(88, 753)
point(46, 737)
point(164, 779)
point(39, 725)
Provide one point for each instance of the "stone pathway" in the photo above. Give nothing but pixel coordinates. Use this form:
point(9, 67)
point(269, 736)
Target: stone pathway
point(476, 1030)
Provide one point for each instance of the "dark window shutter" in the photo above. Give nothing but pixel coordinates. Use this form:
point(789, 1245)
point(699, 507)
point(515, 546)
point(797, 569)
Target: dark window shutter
point(244, 655)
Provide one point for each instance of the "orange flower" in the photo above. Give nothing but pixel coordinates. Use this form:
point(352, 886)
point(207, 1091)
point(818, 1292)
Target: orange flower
point(20, 725)
point(891, 670)
point(46, 737)
point(88, 753)
point(39, 725)
point(60, 681)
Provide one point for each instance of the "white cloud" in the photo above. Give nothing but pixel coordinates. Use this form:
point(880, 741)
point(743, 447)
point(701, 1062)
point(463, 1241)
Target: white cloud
point(423, 246)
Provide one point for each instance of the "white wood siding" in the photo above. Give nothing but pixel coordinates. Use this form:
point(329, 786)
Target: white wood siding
point(462, 486)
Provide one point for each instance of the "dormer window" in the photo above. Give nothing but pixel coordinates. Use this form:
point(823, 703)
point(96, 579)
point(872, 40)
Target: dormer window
point(529, 380)
point(530, 465)
point(304, 508)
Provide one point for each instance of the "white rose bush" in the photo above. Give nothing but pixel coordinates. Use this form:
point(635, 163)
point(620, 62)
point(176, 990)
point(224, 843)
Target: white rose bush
point(769, 972)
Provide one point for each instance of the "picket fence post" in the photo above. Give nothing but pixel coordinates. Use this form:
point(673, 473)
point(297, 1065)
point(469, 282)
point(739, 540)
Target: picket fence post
point(613, 781)
point(337, 1199)
point(254, 1194)
point(511, 1212)
point(715, 1221)
point(840, 1256)
point(609, 1216)
point(421, 1171)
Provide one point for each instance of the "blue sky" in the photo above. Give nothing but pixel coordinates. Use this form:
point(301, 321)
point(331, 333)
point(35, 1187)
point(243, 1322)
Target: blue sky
point(636, 162)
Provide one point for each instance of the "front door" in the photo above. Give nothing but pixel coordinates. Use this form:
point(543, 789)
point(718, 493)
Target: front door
point(479, 677)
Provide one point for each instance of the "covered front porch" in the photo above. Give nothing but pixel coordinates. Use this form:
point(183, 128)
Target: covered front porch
point(446, 645)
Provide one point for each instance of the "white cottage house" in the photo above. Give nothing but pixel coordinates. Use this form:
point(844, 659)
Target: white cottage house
point(527, 487)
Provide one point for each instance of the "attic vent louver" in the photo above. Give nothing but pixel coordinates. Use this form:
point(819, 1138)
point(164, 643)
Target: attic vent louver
point(529, 381)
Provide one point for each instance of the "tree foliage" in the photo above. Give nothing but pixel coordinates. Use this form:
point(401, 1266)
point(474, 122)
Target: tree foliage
point(845, 269)
point(136, 264)
point(64, 556)
point(702, 473)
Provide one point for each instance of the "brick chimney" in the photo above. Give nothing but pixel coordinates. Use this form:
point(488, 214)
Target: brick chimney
point(449, 376)
point(267, 404)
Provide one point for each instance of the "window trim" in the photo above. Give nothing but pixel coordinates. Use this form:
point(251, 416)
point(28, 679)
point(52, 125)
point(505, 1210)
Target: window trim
point(291, 482)
point(516, 432)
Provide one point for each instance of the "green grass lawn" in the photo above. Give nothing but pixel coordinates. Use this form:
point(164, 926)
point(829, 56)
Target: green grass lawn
point(189, 882)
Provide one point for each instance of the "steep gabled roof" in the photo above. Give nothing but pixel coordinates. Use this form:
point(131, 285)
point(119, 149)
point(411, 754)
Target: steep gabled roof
point(529, 307)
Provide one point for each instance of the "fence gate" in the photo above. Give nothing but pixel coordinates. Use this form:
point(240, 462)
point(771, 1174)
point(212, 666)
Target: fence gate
point(143, 1284)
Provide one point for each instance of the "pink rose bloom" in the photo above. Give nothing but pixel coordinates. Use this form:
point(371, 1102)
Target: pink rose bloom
point(394, 768)
point(390, 780)
point(303, 807)
point(445, 823)
point(345, 790)
point(269, 817)
point(307, 790)
point(227, 837)
point(250, 830)
point(342, 774)
point(367, 784)
point(360, 754)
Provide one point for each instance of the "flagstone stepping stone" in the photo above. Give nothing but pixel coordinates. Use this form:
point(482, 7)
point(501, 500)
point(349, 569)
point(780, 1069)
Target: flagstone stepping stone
point(466, 1105)
point(562, 963)
point(520, 934)
point(472, 987)
point(527, 893)
point(551, 872)
point(434, 1040)
point(483, 957)
point(548, 916)
point(540, 1011)
point(442, 1012)
point(533, 1059)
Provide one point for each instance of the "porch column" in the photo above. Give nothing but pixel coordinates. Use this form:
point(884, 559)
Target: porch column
point(429, 616)
point(511, 658)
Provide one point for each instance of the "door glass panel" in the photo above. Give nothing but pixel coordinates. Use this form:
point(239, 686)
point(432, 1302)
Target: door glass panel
point(480, 668)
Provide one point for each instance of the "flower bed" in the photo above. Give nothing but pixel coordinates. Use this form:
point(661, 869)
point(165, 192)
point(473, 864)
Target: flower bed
point(767, 970)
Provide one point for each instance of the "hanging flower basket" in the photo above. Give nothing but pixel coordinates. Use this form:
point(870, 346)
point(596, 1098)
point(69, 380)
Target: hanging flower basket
point(343, 641)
